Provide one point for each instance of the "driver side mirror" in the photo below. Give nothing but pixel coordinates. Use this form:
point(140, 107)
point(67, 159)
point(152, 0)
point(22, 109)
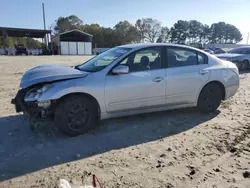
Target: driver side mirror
point(121, 69)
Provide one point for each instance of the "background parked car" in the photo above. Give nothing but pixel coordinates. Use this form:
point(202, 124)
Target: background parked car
point(219, 51)
point(20, 50)
point(239, 56)
point(209, 51)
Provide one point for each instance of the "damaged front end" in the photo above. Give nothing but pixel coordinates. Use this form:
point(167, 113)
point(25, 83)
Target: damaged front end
point(26, 101)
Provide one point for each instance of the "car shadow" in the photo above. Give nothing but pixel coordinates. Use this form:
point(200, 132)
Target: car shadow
point(23, 151)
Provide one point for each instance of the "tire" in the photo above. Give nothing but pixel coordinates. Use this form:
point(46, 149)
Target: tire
point(210, 98)
point(245, 65)
point(76, 115)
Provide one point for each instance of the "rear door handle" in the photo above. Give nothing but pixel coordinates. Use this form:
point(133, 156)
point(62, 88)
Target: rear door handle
point(203, 72)
point(157, 79)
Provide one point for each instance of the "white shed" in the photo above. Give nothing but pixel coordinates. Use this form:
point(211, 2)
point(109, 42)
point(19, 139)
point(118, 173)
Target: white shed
point(74, 42)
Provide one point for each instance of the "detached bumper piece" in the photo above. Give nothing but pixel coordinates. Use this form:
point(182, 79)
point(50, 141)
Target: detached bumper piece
point(18, 100)
point(29, 108)
point(32, 108)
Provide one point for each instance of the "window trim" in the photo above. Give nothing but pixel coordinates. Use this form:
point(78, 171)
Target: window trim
point(185, 49)
point(134, 52)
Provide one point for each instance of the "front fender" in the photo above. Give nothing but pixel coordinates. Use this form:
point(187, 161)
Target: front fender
point(54, 94)
point(63, 88)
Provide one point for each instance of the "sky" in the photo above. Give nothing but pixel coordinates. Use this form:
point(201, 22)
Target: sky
point(28, 13)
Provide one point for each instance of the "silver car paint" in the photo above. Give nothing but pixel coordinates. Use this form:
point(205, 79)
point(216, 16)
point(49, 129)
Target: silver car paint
point(42, 74)
point(147, 91)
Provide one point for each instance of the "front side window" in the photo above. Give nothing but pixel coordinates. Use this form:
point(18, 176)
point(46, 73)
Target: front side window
point(101, 61)
point(142, 60)
point(177, 57)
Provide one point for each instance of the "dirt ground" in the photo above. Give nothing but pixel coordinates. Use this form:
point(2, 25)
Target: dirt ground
point(180, 148)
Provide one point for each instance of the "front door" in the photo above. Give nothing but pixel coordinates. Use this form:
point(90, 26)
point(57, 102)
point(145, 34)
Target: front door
point(144, 85)
point(186, 75)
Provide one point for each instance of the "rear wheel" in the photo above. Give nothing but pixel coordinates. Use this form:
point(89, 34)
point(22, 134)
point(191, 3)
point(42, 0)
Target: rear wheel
point(75, 115)
point(210, 97)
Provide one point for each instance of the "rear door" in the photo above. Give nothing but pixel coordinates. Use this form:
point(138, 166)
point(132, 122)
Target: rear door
point(144, 85)
point(186, 75)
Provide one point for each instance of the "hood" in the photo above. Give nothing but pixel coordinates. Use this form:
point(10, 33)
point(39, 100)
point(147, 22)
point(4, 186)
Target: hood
point(228, 56)
point(51, 73)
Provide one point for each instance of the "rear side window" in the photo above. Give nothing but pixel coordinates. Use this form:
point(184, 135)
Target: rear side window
point(178, 57)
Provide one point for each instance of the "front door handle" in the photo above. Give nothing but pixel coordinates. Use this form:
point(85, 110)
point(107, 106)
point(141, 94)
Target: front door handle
point(157, 79)
point(203, 72)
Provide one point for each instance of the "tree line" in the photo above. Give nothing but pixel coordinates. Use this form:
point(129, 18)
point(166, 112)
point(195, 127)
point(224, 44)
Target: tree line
point(144, 30)
point(151, 30)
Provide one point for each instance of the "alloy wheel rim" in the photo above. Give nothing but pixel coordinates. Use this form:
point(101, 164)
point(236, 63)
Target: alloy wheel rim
point(78, 117)
point(208, 98)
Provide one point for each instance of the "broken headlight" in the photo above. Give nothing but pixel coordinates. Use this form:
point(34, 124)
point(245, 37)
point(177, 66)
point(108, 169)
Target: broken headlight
point(35, 93)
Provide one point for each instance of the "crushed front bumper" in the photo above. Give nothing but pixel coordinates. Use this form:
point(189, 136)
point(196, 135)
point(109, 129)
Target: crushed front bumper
point(31, 108)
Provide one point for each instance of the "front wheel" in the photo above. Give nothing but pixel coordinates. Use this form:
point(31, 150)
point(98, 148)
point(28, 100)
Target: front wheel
point(210, 98)
point(75, 115)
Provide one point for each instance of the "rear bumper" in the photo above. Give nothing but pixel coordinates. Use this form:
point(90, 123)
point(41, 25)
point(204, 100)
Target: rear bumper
point(231, 91)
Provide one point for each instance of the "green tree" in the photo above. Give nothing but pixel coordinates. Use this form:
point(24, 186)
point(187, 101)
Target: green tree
point(195, 30)
point(125, 33)
point(63, 24)
point(232, 34)
point(109, 40)
point(205, 34)
point(149, 29)
point(164, 35)
point(179, 32)
point(218, 32)
point(140, 27)
point(96, 31)
point(225, 33)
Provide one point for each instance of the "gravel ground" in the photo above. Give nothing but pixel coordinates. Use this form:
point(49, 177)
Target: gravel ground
point(180, 148)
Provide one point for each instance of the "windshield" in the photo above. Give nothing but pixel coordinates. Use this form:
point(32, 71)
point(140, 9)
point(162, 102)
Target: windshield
point(101, 61)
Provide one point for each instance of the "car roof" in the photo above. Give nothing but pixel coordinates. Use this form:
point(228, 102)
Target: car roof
point(144, 45)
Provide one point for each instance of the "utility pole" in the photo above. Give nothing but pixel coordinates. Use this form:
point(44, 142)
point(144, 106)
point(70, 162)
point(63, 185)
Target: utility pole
point(247, 37)
point(44, 24)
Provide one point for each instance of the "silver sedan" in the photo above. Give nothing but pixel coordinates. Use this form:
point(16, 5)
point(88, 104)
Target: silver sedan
point(126, 80)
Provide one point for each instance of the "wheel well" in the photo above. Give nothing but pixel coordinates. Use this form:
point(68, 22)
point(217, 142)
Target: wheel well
point(221, 86)
point(93, 99)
